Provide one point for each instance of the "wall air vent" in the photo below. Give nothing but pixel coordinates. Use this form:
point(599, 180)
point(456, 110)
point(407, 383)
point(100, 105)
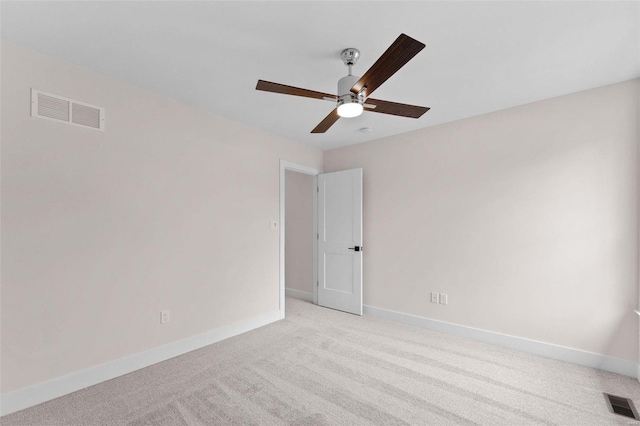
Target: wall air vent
point(58, 108)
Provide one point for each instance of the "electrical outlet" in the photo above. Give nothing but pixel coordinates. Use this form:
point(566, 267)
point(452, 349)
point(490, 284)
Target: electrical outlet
point(444, 299)
point(434, 297)
point(164, 317)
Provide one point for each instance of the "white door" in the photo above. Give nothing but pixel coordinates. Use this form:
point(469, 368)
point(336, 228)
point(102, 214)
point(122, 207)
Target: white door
point(340, 240)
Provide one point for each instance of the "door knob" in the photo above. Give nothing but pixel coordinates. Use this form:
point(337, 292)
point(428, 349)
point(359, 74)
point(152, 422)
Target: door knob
point(356, 248)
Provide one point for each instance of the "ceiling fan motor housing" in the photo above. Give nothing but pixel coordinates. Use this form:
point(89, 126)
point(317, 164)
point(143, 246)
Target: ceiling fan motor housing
point(349, 104)
point(344, 90)
point(345, 84)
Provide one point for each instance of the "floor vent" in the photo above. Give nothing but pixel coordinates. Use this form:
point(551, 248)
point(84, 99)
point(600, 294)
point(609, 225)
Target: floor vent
point(621, 406)
point(65, 110)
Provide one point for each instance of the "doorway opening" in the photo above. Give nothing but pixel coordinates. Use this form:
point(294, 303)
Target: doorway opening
point(298, 231)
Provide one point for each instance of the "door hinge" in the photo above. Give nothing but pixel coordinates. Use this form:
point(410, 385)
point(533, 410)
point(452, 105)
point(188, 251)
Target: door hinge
point(317, 236)
point(317, 189)
point(317, 283)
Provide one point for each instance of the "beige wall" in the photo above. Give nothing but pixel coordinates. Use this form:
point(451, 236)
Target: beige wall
point(168, 209)
point(527, 218)
point(299, 231)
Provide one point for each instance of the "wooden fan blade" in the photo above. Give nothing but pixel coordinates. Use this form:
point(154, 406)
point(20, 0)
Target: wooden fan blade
point(268, 86)
point(328, 121)
point(395, 57)
point(394, 108)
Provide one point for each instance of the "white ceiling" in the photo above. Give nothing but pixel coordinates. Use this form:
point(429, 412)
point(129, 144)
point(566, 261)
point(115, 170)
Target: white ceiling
point(480, 56)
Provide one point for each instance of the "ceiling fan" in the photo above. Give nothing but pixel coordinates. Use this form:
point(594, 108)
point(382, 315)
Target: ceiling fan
point(353, 91)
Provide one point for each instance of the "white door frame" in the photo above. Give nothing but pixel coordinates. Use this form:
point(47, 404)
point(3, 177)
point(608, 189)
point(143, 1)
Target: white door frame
point(284, 166)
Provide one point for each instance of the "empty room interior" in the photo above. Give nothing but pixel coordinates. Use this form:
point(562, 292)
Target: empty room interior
point(322, 213)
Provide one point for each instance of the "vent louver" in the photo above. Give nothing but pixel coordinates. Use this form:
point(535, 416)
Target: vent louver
point(51, 107)
point(622, 406)
point(61, 109)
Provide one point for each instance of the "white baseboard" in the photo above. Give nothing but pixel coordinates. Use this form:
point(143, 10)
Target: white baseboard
point(575, 356)
point(42, 392)
point(297, 294)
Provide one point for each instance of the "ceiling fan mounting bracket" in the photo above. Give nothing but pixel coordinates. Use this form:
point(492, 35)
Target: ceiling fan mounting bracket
point(350, 56)
point(349, 98)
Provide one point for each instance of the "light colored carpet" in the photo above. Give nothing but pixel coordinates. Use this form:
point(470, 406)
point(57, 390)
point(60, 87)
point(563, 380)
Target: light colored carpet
point(320, 366)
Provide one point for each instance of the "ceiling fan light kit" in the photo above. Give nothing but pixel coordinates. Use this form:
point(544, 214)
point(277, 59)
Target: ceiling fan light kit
point(349, 109)
point(353, 91)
